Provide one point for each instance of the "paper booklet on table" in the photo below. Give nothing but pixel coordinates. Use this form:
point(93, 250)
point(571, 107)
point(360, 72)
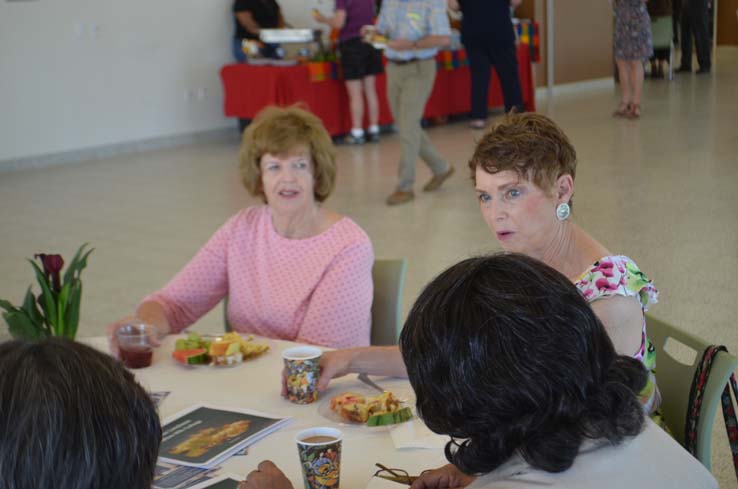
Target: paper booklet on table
point(203, 436)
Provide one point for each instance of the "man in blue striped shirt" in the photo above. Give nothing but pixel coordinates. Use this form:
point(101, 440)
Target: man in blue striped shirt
point(415, 29)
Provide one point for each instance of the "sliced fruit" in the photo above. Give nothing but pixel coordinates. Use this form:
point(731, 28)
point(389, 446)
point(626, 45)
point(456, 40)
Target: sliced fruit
point(395, 417)
point(233, 348)
point(195, 356)
point(219, 348)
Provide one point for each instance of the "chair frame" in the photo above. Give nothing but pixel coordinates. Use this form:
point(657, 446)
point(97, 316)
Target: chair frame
point(389, 281)
point(676, 385)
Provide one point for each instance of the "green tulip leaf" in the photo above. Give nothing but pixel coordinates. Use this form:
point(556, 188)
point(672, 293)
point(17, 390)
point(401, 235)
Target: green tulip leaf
point(8, 306)
point(31, 309)
point(71, 319)
point(21, 326)
point(73, 264)
point(62, 303)
point(49, 302)
point(78, 263)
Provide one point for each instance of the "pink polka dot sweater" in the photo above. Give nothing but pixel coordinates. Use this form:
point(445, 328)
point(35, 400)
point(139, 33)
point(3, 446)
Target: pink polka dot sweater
point(316, 290)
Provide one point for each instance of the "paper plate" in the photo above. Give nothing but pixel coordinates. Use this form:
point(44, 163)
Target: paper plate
point(406, 394)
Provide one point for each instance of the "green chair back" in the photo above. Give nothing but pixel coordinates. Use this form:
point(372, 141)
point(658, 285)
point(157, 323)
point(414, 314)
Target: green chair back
point(226, 322)
point(389, 280)
point(674, 379)
point(662, 32)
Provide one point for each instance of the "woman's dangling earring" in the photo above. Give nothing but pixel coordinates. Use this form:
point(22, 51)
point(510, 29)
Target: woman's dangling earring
point(563, 211)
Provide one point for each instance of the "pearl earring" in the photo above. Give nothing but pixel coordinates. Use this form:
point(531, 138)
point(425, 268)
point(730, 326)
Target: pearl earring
point(563, 211)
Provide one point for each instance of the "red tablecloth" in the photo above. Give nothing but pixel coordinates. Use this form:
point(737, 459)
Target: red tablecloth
point(248, 89)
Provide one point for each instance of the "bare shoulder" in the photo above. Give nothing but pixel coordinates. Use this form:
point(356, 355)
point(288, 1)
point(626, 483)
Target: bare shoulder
point(622, 318)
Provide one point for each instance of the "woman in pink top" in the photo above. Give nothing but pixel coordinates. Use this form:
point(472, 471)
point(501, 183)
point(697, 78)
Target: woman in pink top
point(291, 269)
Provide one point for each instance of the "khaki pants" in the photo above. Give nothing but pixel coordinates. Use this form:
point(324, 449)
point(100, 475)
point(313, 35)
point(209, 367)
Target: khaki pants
point(408, 89)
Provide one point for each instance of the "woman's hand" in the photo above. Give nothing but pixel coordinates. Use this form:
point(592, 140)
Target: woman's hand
point(334, 364)
point(319, 17)
point(266, 476)
point(446, 477)
point(367, 30)
point(113, 338)
point(149, 312)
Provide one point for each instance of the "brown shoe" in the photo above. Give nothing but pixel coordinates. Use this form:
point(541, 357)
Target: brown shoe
point(400, 197)
point(438, 180)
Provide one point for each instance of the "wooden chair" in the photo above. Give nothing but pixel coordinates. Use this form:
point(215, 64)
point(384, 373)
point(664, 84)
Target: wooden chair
point(389, 279)
point(674, 379)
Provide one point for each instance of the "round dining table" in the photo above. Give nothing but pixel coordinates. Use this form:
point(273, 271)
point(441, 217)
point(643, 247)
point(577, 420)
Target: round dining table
point(255, 384)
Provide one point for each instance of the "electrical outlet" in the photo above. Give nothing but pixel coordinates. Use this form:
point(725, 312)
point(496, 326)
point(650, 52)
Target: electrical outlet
point(188, 95)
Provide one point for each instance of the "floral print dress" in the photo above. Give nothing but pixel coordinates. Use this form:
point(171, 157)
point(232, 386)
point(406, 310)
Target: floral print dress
point(632, 37)
point(619, 275)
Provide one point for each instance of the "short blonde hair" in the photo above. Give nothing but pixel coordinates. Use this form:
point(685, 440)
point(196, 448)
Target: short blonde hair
point(531, 145)
point(279, 131)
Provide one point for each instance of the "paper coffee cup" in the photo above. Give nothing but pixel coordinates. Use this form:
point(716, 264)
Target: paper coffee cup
point(319, 450)
point(302, 364)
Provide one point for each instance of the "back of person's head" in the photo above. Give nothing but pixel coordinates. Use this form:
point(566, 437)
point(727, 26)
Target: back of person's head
point(505, 354)
point(71, 417)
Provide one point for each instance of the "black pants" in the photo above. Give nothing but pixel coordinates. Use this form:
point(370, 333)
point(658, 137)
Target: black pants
point(694, 22)
point(484, 52)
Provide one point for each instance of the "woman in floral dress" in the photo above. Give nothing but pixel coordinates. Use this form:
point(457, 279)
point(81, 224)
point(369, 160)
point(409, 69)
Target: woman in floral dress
point(633, 47)
point(523, 171)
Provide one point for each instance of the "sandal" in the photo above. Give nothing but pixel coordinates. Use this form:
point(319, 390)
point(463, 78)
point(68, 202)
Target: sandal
point(623, 110)
point(635, 111)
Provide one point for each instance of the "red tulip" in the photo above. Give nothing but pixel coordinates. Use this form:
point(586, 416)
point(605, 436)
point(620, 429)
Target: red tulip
point(52, 268)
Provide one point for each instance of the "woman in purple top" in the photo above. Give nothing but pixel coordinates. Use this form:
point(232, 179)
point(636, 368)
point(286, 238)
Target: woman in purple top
point(360, 62)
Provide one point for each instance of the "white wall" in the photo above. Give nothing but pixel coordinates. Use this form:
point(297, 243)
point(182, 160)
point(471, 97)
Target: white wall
point(77, 74)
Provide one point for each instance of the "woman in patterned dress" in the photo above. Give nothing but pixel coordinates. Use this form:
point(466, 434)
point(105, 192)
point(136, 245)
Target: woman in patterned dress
point(523, 171)
point(633, 47)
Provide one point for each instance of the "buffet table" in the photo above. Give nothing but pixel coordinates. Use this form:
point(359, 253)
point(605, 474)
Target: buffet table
point(248, 89)
point(255, 385)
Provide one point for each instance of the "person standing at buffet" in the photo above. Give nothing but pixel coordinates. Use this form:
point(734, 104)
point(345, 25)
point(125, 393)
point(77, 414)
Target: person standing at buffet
point(360, 62)
point(250, 17)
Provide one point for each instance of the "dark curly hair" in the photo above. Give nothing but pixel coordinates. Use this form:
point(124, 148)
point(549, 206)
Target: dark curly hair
point(506, 357)
point(72, 417)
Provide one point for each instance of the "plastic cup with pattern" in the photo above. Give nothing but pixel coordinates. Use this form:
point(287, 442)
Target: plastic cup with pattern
point(319, 450)
point(302, 364)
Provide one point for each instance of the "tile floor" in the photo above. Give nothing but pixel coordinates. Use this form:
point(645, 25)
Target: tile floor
point(661, 190)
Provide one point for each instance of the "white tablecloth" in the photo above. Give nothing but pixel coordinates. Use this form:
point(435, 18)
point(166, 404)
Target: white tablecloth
point(256, 385)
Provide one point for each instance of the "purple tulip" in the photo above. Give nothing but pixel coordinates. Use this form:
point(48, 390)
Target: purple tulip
point(52, 268)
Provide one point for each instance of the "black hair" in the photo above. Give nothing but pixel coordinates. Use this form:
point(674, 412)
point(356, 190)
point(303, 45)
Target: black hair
point(72, 417)
point(506, 357)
